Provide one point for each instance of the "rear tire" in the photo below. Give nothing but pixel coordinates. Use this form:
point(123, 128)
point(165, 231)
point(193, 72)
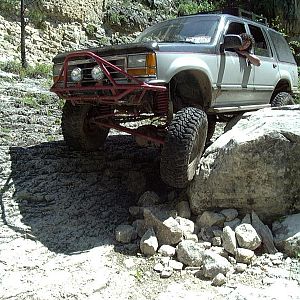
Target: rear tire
point(183, 146)
point(282, 99)
point(77, 131)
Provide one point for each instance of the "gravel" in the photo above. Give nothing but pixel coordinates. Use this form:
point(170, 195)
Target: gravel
point(59, 210)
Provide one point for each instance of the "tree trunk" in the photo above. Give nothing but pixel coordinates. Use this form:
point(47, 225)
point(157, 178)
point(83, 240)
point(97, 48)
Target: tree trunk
point(23, 24)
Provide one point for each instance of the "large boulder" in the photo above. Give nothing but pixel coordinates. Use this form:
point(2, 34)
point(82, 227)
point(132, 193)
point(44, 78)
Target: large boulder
point(253, 166)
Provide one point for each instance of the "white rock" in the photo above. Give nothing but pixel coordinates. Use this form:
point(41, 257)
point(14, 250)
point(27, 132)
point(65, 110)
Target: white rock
point(158, 267)
point(190, 253)
point(166, 272)
point(244, 255)
point(175, 265)
point(247, 236)
point(213, 264)
point(219, 280)
point(167, 250)
point(240, 267)
point(229, 240)
point(187, 226)
point(149, 243)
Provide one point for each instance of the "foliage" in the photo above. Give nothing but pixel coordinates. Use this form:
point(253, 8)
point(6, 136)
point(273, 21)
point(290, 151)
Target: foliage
point(9, 6)
point(36, 71)
point(90, 30)
point(193, 7)
point(37, 17)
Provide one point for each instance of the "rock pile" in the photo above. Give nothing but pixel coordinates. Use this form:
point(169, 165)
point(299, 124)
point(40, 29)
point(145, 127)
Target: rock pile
point(211, 244)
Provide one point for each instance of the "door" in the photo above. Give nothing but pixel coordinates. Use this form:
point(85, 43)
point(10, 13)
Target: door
point(267, 74)
point(235, 75)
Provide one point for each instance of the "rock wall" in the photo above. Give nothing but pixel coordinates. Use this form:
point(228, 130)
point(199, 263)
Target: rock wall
point(74, 10)
point(41, 45)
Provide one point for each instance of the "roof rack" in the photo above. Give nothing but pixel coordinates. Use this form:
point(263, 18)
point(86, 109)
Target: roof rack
point(239, 12)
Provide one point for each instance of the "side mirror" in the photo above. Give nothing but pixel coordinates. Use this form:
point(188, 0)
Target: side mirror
point(232, 41)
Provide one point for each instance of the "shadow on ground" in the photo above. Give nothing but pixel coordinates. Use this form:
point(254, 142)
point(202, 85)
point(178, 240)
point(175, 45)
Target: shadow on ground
point(72, 201)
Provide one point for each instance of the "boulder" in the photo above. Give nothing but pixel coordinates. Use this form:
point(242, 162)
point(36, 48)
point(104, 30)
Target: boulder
point(213, 264)
point(125, 233)
point(247, 237)
point(253, 166)
point(229, 240)
point(190, 253)
point(168, 230)
point(287, 238)
point(210, 218)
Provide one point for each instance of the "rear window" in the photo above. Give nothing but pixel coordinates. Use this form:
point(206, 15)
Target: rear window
point(282, 48)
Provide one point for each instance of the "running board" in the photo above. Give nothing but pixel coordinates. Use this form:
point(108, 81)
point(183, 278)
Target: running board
point(237, 108)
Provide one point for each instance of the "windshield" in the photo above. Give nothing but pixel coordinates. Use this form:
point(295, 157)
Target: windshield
point(192, 29)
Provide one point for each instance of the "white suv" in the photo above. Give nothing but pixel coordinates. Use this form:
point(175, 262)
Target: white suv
point(175, 81)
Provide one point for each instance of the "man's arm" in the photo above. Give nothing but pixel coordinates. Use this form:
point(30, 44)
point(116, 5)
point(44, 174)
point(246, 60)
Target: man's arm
point(251, 57)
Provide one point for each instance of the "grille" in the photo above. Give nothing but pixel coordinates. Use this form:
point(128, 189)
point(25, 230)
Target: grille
point(88, 64)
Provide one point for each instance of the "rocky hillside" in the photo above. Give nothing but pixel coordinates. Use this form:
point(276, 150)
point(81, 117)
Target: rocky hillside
point(63, 26)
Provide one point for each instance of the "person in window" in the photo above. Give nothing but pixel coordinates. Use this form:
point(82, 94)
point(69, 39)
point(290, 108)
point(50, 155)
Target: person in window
point(246, 49)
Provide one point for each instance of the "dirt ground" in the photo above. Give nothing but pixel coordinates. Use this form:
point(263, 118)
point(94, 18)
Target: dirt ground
point(59, 209)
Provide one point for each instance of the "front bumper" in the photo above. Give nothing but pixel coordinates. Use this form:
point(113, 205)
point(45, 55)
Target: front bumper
point(107, 91)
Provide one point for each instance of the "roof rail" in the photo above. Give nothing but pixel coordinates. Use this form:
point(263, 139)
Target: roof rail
point(239, 12)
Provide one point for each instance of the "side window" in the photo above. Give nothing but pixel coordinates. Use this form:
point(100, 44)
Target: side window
point(235, 28)
point(282, 48)
point(261, 47)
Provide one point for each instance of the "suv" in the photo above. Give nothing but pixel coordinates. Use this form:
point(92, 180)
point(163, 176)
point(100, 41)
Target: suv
point(176, 80)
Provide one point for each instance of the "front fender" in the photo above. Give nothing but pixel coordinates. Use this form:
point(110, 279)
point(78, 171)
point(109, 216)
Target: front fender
point(170, 64)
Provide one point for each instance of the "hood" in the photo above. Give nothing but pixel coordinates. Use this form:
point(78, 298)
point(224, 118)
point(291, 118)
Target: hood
point(113, 50)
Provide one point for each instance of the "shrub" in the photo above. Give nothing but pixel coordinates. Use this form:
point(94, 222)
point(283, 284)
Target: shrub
point(36, 71)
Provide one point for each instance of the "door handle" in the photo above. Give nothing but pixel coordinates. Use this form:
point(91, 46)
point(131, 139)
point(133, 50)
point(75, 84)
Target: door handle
point(274, 66)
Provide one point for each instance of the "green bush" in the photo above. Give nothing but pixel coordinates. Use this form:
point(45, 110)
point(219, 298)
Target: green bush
point(193, 7)
point(36, 71)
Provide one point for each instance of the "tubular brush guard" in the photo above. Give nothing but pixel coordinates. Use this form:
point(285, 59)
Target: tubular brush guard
point(114, 92)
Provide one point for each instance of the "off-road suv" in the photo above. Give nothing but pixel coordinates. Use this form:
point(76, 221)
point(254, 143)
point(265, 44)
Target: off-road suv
point(176, 81)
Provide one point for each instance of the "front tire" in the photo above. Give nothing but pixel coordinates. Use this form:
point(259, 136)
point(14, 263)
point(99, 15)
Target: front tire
point(77, 130)
point(282, 99)
point(183, 146)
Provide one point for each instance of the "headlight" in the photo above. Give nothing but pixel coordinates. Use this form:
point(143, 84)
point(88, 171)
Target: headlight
point(97, 73)
point(141, 64)
point(137, 61)
point(76, 74)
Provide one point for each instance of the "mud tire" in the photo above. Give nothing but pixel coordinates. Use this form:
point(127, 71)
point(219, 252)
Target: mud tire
point(282, 99)
point(183, 146)
point(78, 133)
